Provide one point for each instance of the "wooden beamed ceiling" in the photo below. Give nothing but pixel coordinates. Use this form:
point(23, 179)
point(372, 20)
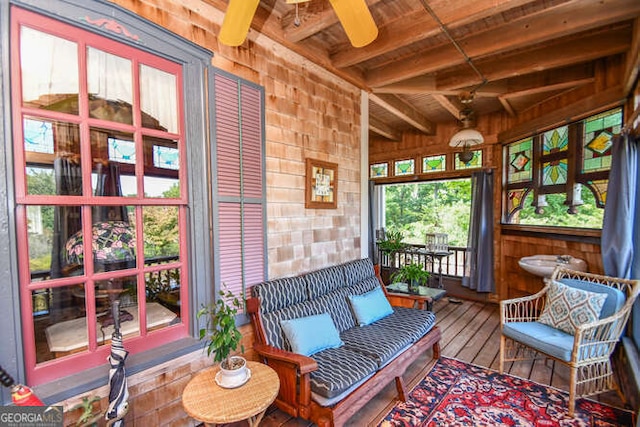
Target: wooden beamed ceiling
point(512, 54)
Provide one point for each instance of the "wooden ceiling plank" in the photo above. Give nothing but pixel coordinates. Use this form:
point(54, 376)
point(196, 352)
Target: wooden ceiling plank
point(447, 105)
point(396, 106)
point(552, 23)
point(379, 127)
point(542, 58)
point(458, 13)
point(633, 59)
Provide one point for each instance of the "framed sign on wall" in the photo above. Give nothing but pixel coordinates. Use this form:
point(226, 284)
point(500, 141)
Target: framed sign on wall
point(321, 189)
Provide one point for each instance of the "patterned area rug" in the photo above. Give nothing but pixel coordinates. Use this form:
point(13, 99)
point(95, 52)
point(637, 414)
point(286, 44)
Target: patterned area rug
point(455, 393)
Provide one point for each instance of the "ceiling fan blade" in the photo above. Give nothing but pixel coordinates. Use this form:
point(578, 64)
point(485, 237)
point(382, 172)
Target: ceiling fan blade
point(237, 20)
point(356, 20)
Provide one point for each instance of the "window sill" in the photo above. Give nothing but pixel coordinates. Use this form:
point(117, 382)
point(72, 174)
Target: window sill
point(90, 379)
point(584, 235)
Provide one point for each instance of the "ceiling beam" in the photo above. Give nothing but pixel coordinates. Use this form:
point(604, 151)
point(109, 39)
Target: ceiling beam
point(514, 35)
point(561, 54)
point(448, 105)
point(382, 129)
point(550, 87)
point(507, 106)
point(398, 107)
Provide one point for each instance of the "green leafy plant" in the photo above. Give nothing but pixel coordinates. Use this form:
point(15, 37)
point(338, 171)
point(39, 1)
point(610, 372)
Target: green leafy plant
point(220, 333)
point(392, 243)
point(89, 415)
point(412, 274)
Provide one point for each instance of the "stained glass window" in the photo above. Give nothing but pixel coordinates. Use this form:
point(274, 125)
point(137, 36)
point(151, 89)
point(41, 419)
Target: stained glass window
point(554, 172)
point(405, 167)
point(597, 141)
point(121, 150)
point(475, 162)
point(555, 140)
point(166, 157)
point(379, 170)
point(434, 163)
point(561, 189)
point(38, 136)
point(520, 158)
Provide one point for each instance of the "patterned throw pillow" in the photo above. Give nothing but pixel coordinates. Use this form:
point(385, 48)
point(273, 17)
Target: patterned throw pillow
point(569, 307)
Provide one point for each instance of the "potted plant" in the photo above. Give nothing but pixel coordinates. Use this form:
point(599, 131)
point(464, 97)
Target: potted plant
point(222, 338)
point(412, 274)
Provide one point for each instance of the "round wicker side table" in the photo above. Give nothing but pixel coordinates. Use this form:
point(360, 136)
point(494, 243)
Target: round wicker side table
point(206, 401)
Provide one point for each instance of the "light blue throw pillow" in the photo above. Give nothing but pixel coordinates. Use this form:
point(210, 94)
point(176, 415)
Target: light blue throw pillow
point(311, 334)
point(370, 306)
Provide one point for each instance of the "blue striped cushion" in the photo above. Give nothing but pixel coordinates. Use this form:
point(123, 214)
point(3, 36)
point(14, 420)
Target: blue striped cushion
point(323, 281)
point(280, 293)
point(358, 270)
point(338, 369)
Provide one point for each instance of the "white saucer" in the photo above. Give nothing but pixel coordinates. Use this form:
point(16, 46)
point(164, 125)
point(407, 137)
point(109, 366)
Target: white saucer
point(233, 384)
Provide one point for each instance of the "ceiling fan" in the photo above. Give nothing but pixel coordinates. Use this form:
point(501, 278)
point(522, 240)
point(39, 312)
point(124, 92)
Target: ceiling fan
point(354, 15)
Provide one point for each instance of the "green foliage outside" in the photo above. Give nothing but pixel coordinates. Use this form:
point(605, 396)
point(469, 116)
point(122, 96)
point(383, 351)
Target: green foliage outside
point(555, 214)
point(430, 207)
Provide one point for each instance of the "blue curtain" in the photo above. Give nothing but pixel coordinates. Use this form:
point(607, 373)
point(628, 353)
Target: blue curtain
point(620, 230)
point(478, 274)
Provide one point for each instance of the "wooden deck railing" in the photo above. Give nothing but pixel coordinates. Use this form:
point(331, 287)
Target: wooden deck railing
point(452, 265)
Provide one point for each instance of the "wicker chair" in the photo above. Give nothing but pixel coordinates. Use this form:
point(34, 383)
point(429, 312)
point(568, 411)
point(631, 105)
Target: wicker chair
point(587, 353)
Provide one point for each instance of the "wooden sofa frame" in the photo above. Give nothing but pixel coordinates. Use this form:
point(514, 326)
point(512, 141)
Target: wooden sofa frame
point(294, 372)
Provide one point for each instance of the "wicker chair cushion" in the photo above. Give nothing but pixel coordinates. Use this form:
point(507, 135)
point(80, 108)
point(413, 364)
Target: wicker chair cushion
point(544, 338)
point(615, 297)
point(569, 307)
point(338, 369)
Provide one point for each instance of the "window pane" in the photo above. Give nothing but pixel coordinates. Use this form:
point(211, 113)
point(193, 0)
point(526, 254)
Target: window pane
point(114, 157)
point(52, 154)
point(555, 140)
point(404, 167)
point(161, 232)
point(158, 99)
point(60, 324)
point(554, 213)
point(434, 163)
point(49, 67)
point(597, 141)
point(379, 170)
point(123, 289)
point(113, 238)
point(159, 179)
point(163, 290)
point(554, 172)
point(475, 162)
point(110, 88)
point(520, 158)
point(50, 230)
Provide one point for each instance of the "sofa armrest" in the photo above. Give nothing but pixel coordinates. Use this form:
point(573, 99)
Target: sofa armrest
point(303, 364)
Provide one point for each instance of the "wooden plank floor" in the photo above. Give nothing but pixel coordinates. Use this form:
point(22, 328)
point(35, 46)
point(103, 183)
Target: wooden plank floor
point(471, 333)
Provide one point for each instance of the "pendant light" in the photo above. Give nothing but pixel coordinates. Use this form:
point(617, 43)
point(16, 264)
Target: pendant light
point(468, 136)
